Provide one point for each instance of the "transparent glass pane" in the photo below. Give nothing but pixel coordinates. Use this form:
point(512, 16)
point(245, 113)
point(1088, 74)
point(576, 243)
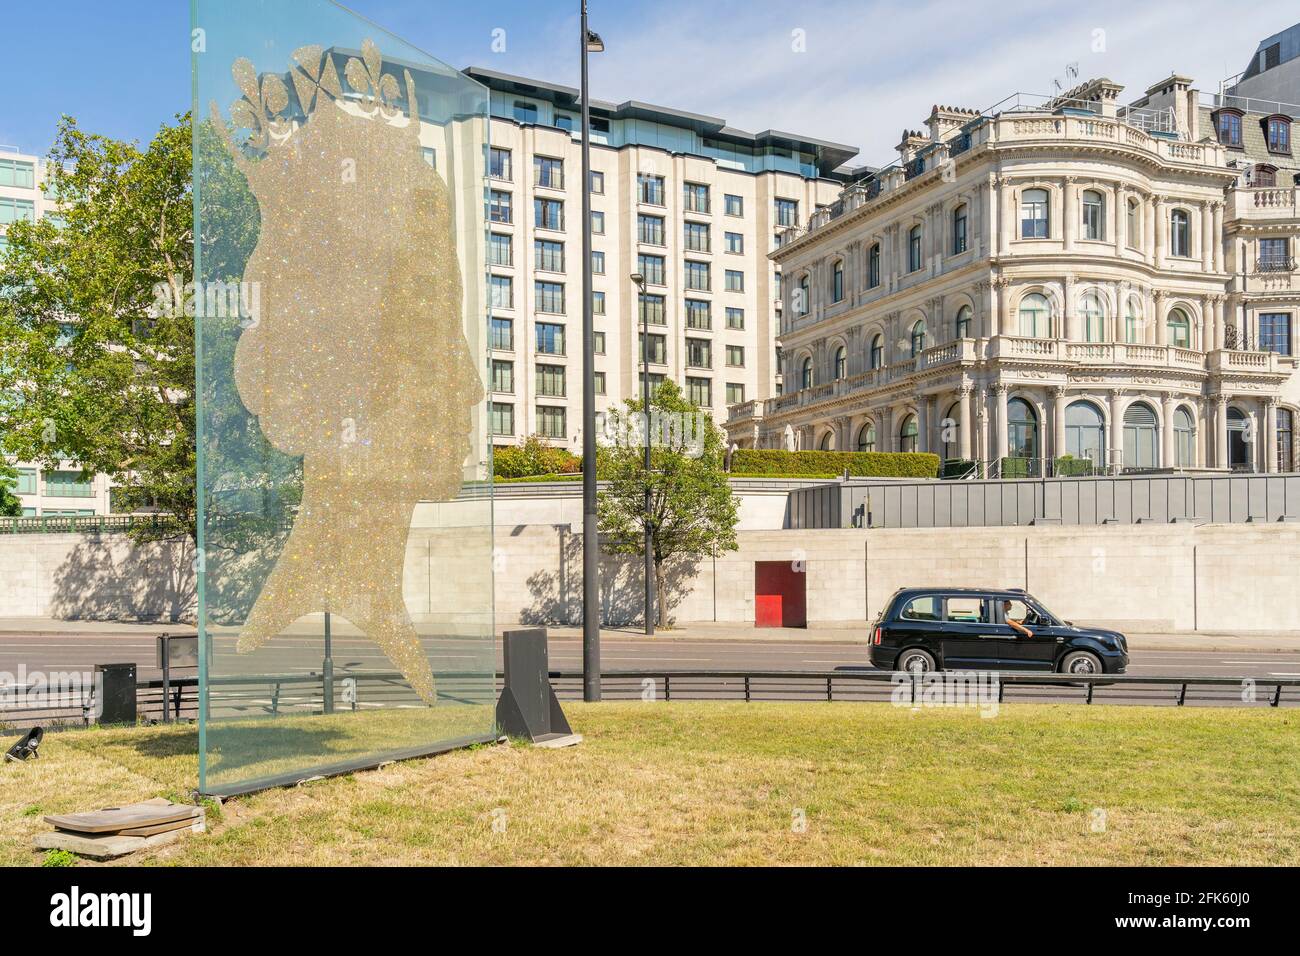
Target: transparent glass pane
point(344, 466)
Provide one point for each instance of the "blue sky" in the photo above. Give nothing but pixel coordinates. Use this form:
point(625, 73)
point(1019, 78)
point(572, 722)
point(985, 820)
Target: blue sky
point(853, 71)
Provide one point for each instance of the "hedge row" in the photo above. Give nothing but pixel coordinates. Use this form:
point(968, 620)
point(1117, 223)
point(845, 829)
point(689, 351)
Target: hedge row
point(865, 464)
point(534, 458)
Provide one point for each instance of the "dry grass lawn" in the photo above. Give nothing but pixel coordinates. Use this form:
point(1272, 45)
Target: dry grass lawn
point(730, 783)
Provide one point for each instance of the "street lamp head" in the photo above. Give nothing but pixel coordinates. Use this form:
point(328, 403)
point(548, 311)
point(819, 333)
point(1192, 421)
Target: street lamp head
point(594, 43)
point(638, 279)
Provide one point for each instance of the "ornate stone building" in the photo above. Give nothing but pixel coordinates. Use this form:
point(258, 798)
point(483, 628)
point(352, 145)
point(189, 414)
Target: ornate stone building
point(1064, 277)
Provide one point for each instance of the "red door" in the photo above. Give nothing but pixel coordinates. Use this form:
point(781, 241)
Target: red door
point(780, 594)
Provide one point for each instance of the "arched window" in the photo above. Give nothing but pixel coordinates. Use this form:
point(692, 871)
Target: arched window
point(841, 362)
point(873, 266)
point(1278, 134)
point(1133, 321)
point(1264, 176)
point(1094, 215)
point(825, 444)
point(837, 281)
point(951, 432)
point(867, 437)
point(805, 375)
point(914, 249)
point(1141, 443)
point(1094, 318)
point(1184, 438)
point(1285, 440)
point(877, 351)
point(1180, 233)
point(804, 304)
point(1227, 123)
point(964, 322)
point(1239, 450)
point(918, 338)
point(1034, 315)
point(959, 230)
point(1022, 429)
point(1134, 237)
point(1033, 214)
point(908, 434)
point(1085, 432)
point(1180, 329)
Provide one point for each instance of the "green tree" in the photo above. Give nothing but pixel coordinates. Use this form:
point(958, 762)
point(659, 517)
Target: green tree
point(90, 370)
point(11, 506)
point(693, 513)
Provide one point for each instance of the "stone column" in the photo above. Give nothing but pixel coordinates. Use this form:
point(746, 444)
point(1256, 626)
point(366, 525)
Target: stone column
point(1157, 231)
point(1207, 237)
point(1006, 320)
point(1069, 211)
point(1217, 226)
point(1007, 217)
point(923, 423)
point(1161, 329)
point(1000, 421)
point(964, 427)
point(1220, 431)
point(1269, 408)
point(1220, 321)
point(1070, 318)
point(1120, 218)
point(1116, 441)
point(1168, 453)
point(1058, 421)
point(1202, 423)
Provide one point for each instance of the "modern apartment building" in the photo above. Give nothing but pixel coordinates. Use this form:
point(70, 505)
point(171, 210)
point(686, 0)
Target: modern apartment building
point(1053, 277)
point(43, 491)
point(687, 201)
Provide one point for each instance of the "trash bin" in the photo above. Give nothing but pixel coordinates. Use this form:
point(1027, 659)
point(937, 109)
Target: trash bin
point(115, 690)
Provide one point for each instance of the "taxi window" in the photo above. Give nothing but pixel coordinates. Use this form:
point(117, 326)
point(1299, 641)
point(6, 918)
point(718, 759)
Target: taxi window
point(966, 609)
point(1019, 611)
point(921, 609)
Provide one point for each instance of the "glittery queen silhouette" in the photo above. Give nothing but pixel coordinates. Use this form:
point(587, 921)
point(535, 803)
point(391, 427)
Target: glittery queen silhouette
point(358, 362)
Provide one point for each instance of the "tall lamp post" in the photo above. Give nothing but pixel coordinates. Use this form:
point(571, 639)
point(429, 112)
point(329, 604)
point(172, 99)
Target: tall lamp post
point(639, 281)
point(589, 43)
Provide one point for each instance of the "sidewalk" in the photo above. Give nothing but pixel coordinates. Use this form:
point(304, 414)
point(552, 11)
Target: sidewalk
point(846, 632)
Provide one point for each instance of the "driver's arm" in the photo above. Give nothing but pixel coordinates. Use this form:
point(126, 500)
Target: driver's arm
point(1020, 628)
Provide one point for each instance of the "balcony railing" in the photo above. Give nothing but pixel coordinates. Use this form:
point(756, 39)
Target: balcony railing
point(1276, 264)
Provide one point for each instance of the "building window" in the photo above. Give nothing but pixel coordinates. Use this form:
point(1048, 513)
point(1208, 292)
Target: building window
point(1264, 176)
point(695, 197)
point(959, 230)
point(26, 481)
point(503, 418)
point(1035, 316)
point(653, 309)
point(503, 376)
point(867, 437)
point(599, 379)
point(16, 210)
point(786, 212)
point(964, 322)
point(67, 484)
point(1141, 437)
point(550, 338)
point(600, 343)
point(735, 243)
point(1033, 214)
point(1285, 440)
point(699, 353)
point(908, 435)
point(550, 421)
point(1134, 237)
point(1184, 438)
point(695, 235)
point(1228, 125)
point(873, 266)
point(499, 164)
point(1085, 434)
point(918, 339)
point(1180, 233)
point(430, 156)
point(1279, 134)
point(548, 256)
point(501, 250)
point(735, 393)
point(1094, 318)
point(806, 374)
point(650, 189)
point(17, 173)
point(598, 182)
point(597, 222)
point(697, 276)
point(736, 356)
point(1133, 322)
point(699, 391)
point(548, 173)
point(549, 296)
point(548, 214)
point(525, 112)
point(1275, 332)
point(1094, 215)
point(502, 289)
point(837, 281)
point(734, 205)
point(914, 249)
point(597, 262)
point(650, 230)
point(502, 335)
point(598, 303)
point(652, 267)
point(550, 381)
point(658, 346)
point(1180, 329)
point(735, 280)
point(841, 363)
point(1022, 429)
point(878, 351)
point(1274, 255)
point(803, 298)
point(699, 314)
